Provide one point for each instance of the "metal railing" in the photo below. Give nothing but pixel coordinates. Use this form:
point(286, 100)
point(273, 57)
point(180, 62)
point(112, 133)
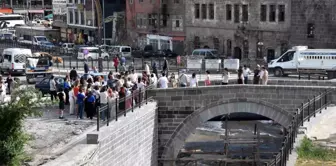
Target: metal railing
point(122, 106)
point(302, 114)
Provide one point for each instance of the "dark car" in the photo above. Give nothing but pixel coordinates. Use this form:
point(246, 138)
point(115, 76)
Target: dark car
point(44, 85)
point(165, 53)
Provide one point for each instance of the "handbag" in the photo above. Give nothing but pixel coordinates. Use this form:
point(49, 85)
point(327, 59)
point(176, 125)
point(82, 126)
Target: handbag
point(207, 82)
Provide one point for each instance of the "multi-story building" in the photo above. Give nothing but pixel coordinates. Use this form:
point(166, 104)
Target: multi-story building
point(60, 18)
point(156, 22)
point(313, 23)
point(31, 8)
point(249, 30)
point(82, 19)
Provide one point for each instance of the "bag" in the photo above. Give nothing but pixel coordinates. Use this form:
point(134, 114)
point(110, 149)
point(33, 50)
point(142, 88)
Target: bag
point(207, 82)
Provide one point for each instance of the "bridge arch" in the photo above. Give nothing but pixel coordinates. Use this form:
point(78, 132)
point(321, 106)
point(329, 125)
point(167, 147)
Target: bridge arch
point(201, 115)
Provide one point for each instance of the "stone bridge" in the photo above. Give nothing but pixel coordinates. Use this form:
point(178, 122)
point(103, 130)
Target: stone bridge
point(181, 110)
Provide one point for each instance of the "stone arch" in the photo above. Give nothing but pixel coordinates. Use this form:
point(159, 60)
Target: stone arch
point(201, 115)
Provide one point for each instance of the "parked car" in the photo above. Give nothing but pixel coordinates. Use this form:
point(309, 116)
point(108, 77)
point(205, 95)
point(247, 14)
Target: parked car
point(147, 52)
point(205, 53)
point(67, 48)
point(92, 53)
point(44, 85)
point(165, 53)
point(47, 45)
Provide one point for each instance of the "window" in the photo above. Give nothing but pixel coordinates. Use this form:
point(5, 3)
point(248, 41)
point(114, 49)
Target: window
point(204, 11)
point(211, 11)
point(125, 49)
point(263, 13)
point(82, 18)
point(76, 17)
point(177, 23)
point(197, 43)
point(245, 49)
point(228, 12)
point(216, 43)
point(229, 47)
point(176, 1)
point(272, 13)
point(131, 1)
point(310, 30)
point(197, 11)
point(245, 13)
point(71, 17)
point(236, 13)
point(287, 57)
point(281, 16)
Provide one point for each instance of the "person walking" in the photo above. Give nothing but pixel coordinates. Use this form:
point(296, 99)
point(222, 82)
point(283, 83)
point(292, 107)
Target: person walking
point(225, 76)
point(116, 63)
point(61, 103)
point(53, 88)
point(73, 74)
point(207, 79)
point(165, 68)
point(147, 69)
point(193, 80)
point(246, 73)
point(9, 82)
point(154, 68)
point(256, 76)
point(264, 76)
point(240, 76)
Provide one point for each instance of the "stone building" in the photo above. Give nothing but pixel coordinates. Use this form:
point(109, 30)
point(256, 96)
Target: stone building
point(156, 22)
point(246, 29)
point(313, 23)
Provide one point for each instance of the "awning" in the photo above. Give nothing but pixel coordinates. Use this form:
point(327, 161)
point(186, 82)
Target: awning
point(49, 16)
point(6, 11)
point(178, 38)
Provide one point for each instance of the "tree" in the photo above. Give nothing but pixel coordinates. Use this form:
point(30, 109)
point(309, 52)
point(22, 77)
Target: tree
point(24, 103)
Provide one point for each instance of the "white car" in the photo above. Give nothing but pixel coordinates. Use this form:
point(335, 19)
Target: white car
point(91, 53)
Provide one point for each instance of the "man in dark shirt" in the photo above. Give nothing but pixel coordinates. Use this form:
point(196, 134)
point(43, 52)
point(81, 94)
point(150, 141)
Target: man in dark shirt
point(256, 76)
point(9, 82)
point(73, 74)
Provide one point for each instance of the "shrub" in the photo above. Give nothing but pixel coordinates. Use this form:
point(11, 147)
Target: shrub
point(308, 150)
point(24, 102)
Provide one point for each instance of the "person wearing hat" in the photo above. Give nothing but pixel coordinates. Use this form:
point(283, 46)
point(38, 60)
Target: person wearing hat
point(256, 77)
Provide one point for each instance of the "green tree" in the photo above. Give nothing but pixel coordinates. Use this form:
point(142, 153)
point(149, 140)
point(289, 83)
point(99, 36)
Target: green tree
point(24, 102)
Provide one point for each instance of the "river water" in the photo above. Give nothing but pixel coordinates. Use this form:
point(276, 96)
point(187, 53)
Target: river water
point(210, 138)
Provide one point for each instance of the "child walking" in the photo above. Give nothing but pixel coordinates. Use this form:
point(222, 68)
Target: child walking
point(61, 96)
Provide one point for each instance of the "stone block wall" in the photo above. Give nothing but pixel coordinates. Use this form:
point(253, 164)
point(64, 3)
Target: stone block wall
point(175, 105)
point(130, 141)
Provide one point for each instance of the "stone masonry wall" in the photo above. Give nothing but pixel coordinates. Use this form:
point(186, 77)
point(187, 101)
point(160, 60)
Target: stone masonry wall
point(174, 105)
point(130, 141)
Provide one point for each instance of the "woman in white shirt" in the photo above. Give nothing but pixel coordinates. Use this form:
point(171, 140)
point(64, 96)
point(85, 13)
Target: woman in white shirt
point(225, 76)
point(153, 80)
point(72, 101)
point(193, 81)
point(103, 101)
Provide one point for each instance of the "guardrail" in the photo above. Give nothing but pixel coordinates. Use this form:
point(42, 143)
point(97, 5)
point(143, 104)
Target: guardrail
point(305, 112)
point(122, 106)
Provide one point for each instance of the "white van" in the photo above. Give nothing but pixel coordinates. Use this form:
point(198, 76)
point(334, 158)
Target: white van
point(35, 40)
point(123, 51)
point(206, 53)
point(91, 53)
point(302, 58)
point(13, 60)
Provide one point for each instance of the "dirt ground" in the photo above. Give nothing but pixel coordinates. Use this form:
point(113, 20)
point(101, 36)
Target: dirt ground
point(50, 134)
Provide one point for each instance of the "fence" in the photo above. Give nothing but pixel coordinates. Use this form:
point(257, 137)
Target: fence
point(120, 107)
point(305, 112)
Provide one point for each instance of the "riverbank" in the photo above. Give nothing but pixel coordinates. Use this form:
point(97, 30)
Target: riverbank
point(321, 130)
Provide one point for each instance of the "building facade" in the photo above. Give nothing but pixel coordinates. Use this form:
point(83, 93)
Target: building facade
point(250, 30)
point(83, 17)
point(313, 23)
point(156, 22)
point(32, 8)
point(60, 18)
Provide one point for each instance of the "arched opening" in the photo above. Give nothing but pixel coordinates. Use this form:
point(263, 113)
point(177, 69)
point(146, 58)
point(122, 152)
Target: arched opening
point(196, 119)
point(237, 53)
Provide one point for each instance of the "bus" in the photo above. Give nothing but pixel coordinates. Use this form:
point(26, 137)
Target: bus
point(12, 19)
